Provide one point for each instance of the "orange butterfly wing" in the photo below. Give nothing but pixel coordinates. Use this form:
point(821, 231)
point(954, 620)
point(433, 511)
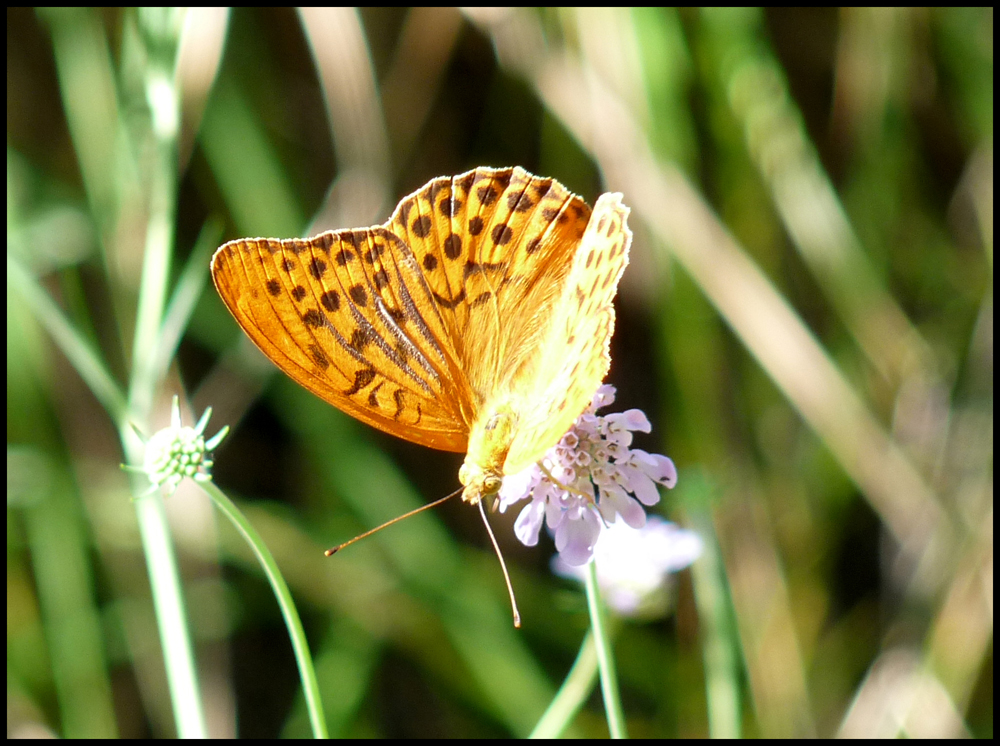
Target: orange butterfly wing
point(348, 315)
point(496, 246)
point(494, 285)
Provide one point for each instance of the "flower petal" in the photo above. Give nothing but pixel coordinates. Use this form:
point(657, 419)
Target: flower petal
point(641, 486)
point(625, 506)
point(528, 523)
point(575, 540)
point(659, 468)
point(604, 396)
point(638, 421)
point(518, 486)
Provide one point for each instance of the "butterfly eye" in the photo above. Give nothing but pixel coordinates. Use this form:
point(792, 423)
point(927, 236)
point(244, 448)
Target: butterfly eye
point(491, 485)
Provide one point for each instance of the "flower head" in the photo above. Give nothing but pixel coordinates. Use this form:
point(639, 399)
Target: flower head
point(633, 564)
point(587, 480)
point(176, 452)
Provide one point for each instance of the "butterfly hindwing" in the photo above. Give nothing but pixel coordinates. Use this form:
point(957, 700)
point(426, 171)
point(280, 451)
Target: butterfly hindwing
point(574, 357)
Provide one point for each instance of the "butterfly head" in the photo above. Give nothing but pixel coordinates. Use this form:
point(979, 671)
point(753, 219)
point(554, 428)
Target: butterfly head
point(479, 483)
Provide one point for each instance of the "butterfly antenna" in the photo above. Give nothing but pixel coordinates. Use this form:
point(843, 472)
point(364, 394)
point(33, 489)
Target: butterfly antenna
point(503, 565)
point(428, 506)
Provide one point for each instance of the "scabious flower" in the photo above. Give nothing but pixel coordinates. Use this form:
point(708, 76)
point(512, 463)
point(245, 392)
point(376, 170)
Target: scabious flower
point(587, 480)
point(633, 565)
point(176, 452)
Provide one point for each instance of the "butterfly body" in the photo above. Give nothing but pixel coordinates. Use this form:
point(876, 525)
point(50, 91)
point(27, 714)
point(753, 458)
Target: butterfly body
point(489, 443)
point(476, 319)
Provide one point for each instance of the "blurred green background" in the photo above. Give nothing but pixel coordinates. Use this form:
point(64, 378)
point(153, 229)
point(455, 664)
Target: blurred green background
point(807, 320)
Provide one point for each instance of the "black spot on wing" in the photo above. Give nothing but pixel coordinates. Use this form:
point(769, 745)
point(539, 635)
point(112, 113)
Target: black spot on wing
point(362, 379)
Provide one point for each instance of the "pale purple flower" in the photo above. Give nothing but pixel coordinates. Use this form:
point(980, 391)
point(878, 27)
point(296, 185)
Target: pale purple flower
point(633, 565)
point(587, 480)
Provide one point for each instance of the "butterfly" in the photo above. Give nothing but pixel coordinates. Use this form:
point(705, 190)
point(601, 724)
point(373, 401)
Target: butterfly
point(477, 319)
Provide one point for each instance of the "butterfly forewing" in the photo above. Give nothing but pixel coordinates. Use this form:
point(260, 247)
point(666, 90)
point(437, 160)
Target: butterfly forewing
point(346, 315)
point(495, 246)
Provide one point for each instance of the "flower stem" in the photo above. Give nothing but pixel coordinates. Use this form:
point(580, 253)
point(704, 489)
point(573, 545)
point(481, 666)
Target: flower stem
point(605, 657)
point(572, 694)
point(171, 617)
point(307, 672)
